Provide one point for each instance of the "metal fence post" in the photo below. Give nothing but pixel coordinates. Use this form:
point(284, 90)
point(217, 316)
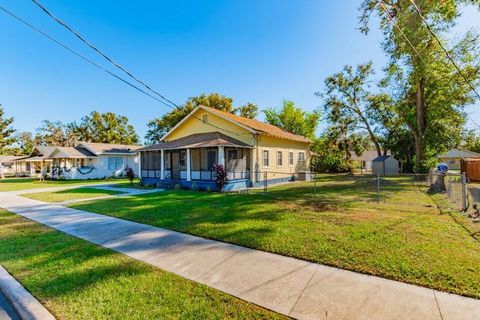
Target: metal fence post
point(464, 192)
point(265, 182)
point(449, 188)
point(314, 185)
point(378, 187)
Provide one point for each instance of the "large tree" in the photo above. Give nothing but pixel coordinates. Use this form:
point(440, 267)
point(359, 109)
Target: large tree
point(248, 110)
point(104, 128)
point(55, 133)
point(26, 142)
point(293, 119)
point(6, 131)
point(158, 127)
point(429, 91)
point(348, 105)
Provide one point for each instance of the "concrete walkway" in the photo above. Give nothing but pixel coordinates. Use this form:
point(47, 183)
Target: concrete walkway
point(289, 286)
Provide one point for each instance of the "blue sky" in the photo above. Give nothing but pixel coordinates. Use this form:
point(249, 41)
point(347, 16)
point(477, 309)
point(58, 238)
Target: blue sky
point(260, 51)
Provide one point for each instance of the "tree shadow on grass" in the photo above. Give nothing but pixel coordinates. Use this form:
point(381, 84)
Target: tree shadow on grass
point(54, 264)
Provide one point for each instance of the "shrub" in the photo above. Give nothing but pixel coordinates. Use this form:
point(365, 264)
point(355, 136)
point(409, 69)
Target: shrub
point(130, 174)
point(177, 187)
point(221, 176)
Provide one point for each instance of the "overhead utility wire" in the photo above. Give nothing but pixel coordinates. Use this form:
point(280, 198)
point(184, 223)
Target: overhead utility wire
point(104, 69)
point(116, 64)
point(389, 16)
point(443, 48)
point(79, 54)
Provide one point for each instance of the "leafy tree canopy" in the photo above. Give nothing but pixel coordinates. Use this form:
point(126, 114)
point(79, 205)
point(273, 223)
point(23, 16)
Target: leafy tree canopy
point(428, 91)
point(6, 131)
point(293, 119)
point(105, 128)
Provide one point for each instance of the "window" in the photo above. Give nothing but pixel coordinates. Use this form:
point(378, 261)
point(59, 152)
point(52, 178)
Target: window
point(301, 156)
point(290, 158)
point(232, 155)
point(279, 158)
point(115, 163)
point(183, 158)
point(265, 158)
point(205, 117)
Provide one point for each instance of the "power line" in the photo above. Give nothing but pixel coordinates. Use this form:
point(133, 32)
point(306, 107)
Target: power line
point(104, 69)
point(380, 2)
point(391, 18)
point(109, 59)
point(79, 54)
point(443, 48)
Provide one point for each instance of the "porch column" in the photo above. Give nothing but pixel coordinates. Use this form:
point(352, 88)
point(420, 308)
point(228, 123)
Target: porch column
point(221, 156)
point(189, 175)
point(162, 165)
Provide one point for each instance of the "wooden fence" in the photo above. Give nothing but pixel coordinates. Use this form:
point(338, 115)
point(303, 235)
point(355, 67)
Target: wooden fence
point(471, 167)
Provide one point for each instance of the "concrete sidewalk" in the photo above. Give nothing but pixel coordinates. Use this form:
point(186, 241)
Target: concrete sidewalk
point(289, 286)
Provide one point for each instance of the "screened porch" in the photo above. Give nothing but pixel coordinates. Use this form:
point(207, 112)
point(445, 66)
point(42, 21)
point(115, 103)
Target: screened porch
point(193, 158)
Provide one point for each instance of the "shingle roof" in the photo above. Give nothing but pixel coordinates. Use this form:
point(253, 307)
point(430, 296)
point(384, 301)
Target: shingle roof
point(110, 147)
point(256, 125)
point(5, 159)
point(71, 152)
point(199, 140)
point(43, 151)
point(456, 153)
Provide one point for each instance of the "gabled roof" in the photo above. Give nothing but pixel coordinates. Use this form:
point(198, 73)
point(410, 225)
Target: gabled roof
point(199, 140)
point(251, 125)
point(259, 126)
point(99, 148)
point(382, 158)
point(456, 153)
point(43, 151)
point(71, 152)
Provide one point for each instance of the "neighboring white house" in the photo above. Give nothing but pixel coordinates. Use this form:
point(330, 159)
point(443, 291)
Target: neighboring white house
point(454, 156)
point(385, 165)
point(84, 161)
point(7, 165)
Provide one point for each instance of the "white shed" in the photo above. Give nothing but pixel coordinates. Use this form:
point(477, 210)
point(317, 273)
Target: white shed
point(385, 165)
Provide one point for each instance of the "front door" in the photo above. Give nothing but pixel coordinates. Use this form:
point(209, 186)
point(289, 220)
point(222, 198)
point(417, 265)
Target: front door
point(175, 165)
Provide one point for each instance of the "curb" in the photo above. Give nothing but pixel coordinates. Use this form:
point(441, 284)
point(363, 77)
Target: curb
point(24, 303)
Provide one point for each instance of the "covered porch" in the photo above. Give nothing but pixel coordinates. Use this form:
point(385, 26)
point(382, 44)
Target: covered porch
point(189, 161)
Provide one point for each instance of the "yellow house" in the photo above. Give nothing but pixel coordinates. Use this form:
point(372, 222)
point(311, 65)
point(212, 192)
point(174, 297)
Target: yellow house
point(251, 152)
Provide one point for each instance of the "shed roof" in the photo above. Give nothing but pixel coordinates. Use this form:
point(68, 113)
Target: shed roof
point(382, 158)
point(199, 140)
point(457, 153)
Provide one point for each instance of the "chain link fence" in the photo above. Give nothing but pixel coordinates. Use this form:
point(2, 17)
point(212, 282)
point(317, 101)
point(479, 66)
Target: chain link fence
point(401, 188)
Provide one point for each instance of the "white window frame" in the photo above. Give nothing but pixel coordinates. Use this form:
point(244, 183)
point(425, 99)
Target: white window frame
point(291, 158)
point(301, 156)
point(279, 158)
point(266, 152)
point(115, 163)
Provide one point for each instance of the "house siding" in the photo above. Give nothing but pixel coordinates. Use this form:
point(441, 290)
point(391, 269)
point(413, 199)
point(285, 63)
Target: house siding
point(275, 173)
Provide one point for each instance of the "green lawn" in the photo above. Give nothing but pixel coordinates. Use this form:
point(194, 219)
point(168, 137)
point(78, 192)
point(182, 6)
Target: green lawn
point(70, 194)
point(14, 184)
point(406, 238)
point(78, 280)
